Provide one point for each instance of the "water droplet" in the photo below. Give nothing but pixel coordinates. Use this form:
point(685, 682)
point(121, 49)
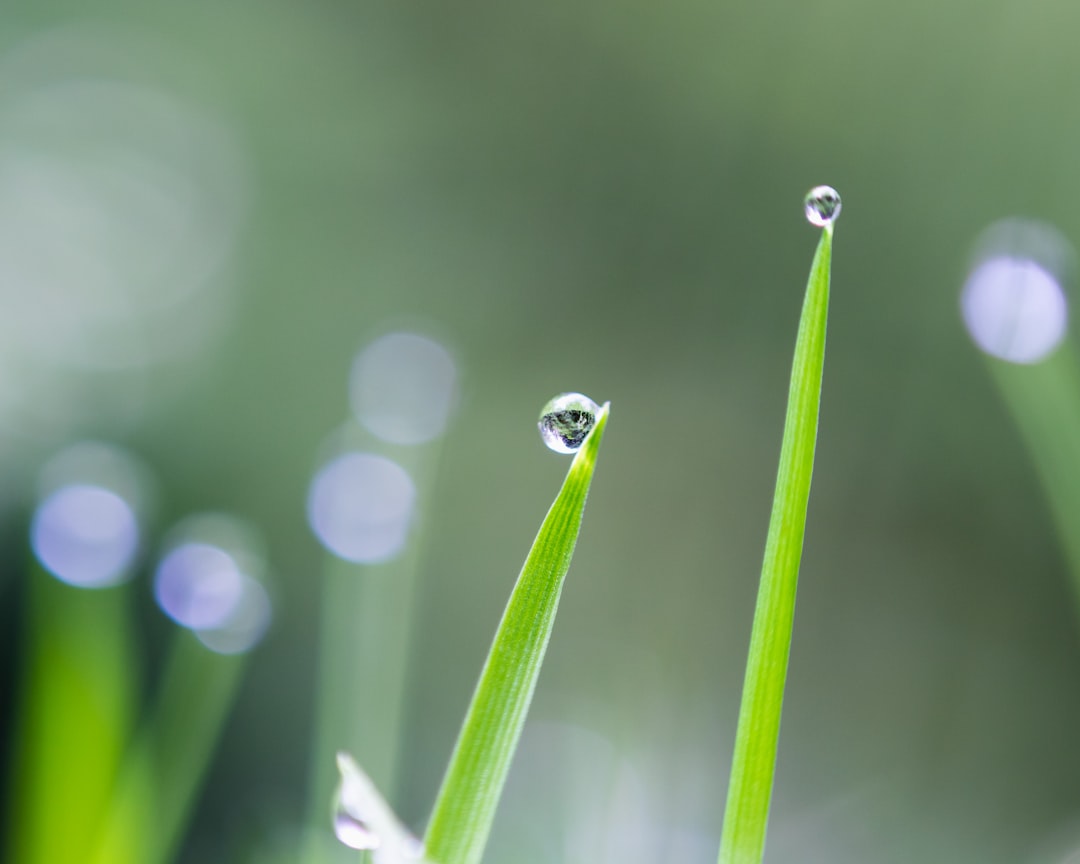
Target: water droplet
point(565, 422)
point(363, 820)
point(352, 832)
point(822, 206)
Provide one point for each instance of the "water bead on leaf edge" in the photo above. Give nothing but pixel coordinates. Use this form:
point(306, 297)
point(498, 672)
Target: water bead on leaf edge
point(822, 206)
point(565, 421)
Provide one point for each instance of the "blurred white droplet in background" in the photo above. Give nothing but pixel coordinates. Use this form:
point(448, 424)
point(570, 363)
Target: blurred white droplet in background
point(208, 580)
point(1013, 302)
point(198, 585)
point(403, 388)
point(85, 530)
point(360, 506)
point(245, 627)
point(119, 207)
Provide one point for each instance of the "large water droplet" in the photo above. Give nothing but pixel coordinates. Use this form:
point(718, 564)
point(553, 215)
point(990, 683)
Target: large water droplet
point(566, 421)
point(822, 205)
point(351, 831)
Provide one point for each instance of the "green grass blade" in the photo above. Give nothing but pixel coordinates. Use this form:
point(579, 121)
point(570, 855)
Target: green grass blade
point(74, 717)
point(750, 788)
point(366, 626)
point(163, 771)
point(470, 792)
point(1044, 401)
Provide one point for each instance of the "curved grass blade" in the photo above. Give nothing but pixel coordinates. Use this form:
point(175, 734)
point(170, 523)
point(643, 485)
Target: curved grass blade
point(750, 788)
point(1044, 401)
point(465, 807)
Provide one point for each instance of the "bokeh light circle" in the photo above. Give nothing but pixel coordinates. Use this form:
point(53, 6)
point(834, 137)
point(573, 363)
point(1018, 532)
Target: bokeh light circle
point(198, 585)
point(209, 581)
point(1013, 301)
point(85, 535)
point(1014, 309)
point(403, 388)
point(360, 506)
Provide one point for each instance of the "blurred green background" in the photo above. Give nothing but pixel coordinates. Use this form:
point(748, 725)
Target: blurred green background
point(207, 209)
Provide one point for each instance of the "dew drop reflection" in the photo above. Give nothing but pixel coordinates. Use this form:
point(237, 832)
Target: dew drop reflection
point(1013, 303)
point(403, 387)
point(566, 421)
point(364, 821)
point(360, 507)
point(822, 206)
point(352, 832)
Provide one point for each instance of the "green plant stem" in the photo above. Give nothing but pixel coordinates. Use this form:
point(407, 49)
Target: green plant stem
point(1044, 401)
point(466, 804)
point(164, 768)
point(750, 788)
point(366, 627)
point(74, 716)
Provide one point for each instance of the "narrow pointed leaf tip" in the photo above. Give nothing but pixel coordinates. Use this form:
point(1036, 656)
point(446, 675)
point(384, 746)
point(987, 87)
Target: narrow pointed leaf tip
point(363, 819)
point(465, 808)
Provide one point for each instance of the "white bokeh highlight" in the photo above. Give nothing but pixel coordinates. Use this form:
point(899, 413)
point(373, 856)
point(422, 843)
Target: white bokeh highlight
point(198, 585)
point(361, 506)
point(208, 581)
point(246, 624)
point(1013, 301)
point(1014, 309)
point(85, 535)
point(403, 388)
point(120, 204)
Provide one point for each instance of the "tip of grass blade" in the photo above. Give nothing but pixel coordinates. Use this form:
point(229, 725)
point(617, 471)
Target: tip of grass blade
point(465, 807)
point(586, 455)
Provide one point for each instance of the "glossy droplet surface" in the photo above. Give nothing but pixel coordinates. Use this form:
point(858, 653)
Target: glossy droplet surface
point(566, 421)
point(352, 832)
point(822, 206)
point(363, 820)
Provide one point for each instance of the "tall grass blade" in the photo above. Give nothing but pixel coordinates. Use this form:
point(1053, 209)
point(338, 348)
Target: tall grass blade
point(750, 788)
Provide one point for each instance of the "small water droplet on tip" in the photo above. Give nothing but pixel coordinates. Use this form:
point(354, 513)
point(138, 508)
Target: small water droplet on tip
point(352, 832)
point(566, 421)
point(822, 206)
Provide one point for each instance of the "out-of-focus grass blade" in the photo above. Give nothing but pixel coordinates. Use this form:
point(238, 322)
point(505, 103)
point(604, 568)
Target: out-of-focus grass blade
point(750, 789)
point(163, 771)
point(366, 627)
point(1044, 401)
point(470, 792)
point(74, 717)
